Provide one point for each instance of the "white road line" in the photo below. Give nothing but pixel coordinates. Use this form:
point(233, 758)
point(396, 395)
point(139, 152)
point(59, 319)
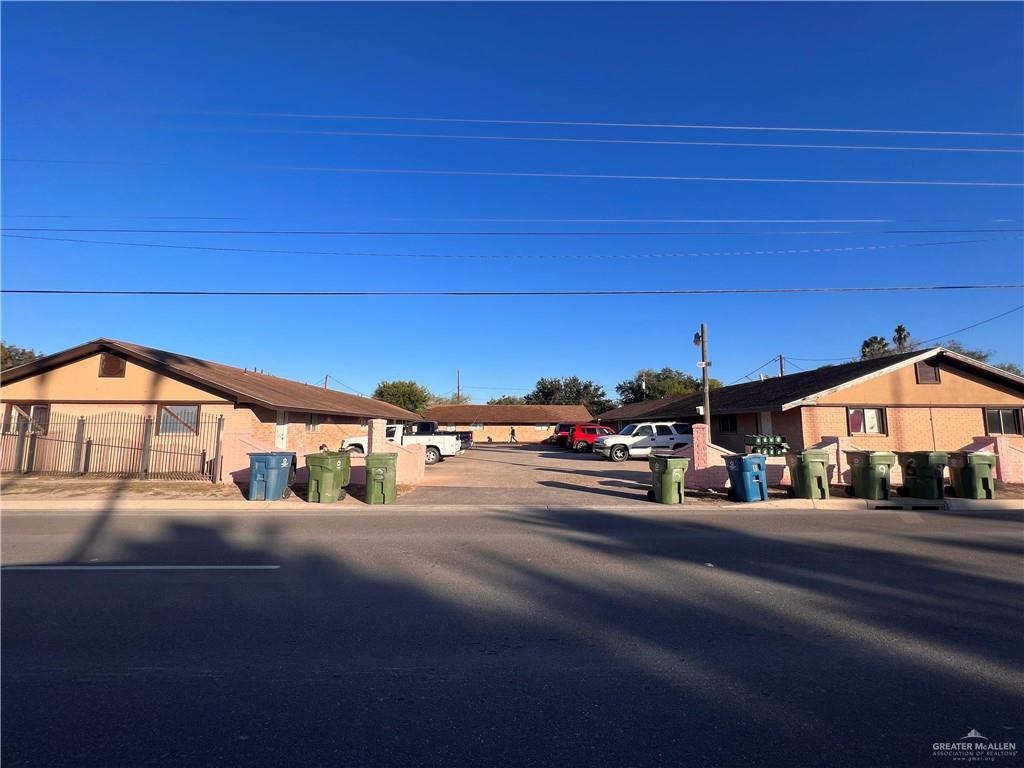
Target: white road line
point(140, 568)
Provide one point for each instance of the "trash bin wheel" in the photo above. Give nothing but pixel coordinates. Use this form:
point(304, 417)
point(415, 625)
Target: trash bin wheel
point(650, 494)
point(849, 490)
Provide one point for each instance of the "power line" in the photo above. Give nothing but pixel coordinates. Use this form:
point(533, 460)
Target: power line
point(670, 221)
point(470, 293)
point(602, 124)
point(555, 175)
point(923, 341)
point(451, 233)
point(376, 254)
point(576, 140)
point(346, 386)
point(973, 325)
point(748, 375)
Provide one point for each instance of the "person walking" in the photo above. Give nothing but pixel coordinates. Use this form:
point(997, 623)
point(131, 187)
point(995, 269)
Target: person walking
point(512, 435)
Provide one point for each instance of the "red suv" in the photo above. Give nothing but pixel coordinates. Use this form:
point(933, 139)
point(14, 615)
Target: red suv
point(581, 437)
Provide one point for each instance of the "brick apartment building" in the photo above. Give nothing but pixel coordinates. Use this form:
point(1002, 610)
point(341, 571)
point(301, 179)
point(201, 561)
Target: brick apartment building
point(195, 417)
point(933, 399)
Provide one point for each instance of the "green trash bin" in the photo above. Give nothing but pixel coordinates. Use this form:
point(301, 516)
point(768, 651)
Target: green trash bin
point(667, 478)
point(870, 471)
point(381, 478)
point(923, 473)
point(329, 472)
point(808, 473)
point(972, 474)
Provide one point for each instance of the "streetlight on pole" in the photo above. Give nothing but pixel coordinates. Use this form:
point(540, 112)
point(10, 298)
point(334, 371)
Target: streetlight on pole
point(700, 339)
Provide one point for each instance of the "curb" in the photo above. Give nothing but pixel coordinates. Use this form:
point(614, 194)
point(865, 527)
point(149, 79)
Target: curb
point(355, 507)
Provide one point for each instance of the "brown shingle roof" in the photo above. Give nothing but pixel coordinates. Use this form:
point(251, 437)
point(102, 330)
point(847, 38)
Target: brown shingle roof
point(242, 386)
point(507, 414)
point(772, 394)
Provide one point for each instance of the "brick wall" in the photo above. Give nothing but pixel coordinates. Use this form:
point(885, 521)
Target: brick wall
point(941, 428)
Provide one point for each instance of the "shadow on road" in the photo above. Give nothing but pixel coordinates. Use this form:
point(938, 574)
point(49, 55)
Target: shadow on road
point(550, 638)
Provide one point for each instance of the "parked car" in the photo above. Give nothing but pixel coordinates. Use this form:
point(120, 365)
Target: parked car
point(582, 436)
point(431, 428)
point(438, 445)
point(561, 435)
point(638, 440)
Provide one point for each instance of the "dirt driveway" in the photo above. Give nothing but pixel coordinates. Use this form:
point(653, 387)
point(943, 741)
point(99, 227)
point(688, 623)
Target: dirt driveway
point(531, 474)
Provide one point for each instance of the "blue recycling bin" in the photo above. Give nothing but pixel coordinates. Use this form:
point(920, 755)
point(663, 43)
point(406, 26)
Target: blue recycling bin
point(270, 474)
point(747, 477)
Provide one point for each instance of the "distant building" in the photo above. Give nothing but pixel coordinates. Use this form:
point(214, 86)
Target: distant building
point(533, 423)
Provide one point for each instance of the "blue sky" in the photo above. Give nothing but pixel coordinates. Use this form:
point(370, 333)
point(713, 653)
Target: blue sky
point(143, 116)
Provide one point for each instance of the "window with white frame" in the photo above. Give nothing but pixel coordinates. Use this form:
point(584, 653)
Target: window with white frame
point(312, 422)
point(866, 421)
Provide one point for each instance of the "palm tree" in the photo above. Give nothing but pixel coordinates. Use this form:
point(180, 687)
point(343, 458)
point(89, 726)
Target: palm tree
point(874, 346)
point(901, 338)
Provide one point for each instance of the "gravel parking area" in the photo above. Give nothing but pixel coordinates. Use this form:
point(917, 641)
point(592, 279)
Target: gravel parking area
point(531, 474)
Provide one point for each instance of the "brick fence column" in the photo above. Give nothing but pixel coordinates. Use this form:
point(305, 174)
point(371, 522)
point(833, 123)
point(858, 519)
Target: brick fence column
point(700, 447)
point(377, 436)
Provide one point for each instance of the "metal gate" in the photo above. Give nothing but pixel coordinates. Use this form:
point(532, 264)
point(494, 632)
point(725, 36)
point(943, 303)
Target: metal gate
point(120, 445)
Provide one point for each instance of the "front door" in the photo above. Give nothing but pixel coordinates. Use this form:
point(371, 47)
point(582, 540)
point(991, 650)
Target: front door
point(281, 432)
point(765, 423)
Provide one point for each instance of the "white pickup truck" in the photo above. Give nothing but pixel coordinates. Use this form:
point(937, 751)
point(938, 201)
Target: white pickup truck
point(438, 445)
point(637, 440)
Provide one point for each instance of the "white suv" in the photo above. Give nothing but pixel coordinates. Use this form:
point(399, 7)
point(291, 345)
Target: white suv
point(636, 440)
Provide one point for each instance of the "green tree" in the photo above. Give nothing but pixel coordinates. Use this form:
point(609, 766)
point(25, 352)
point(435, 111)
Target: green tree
point(459, 399)
point(874, 346)
point(570, 390)
point(507, 400)
point(12, 356)
point(649, 384)
point(981, 355)
point(901, 338)
point(404, 394)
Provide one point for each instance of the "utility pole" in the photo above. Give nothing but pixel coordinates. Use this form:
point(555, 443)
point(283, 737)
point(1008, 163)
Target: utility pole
point(782, 366)
point(701, 339)
point(458, 386)
point(326, 376)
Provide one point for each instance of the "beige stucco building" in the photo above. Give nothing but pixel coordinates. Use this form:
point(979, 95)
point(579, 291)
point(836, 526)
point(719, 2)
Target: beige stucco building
point(97, 407)
point(932, 399)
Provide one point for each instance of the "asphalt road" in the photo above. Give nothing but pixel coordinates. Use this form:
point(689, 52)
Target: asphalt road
point(530, 638)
